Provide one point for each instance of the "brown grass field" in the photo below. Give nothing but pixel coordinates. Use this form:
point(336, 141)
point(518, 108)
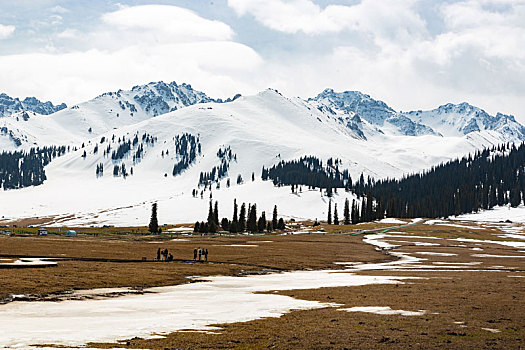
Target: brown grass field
point(465, 308)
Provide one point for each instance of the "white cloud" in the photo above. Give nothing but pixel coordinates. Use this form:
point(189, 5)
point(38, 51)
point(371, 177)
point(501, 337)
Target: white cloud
point(68, 34)
point(369, 17)
point(131, 46)
point(6, 31)
point(478, 57)
point(384, 48)
point(59, 9)
point(168, 23)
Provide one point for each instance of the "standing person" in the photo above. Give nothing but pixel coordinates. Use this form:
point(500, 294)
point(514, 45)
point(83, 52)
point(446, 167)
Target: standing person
point(158, 254)
point(194, 254)
point(200, 253)
point(206, 254)
point(166, 254)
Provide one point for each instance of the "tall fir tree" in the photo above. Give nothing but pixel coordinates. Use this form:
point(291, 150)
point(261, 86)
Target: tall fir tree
point(216, 213)
point(153, 222)
point(355, 212)
point(252, 219)
point(329, 220)
point(347, 212)
point(242, 218)
point(274, 217)
point(261, 223)
point(336, 216)
point(211, 216)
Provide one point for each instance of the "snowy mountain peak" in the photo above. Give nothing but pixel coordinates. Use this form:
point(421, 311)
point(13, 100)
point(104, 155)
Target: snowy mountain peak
point(355, 102)
point(379, 116)
point(157, 98)
point(10, 106)
point(462, 119)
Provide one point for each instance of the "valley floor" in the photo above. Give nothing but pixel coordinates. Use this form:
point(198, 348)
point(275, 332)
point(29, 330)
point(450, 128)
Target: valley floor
point(432, 284)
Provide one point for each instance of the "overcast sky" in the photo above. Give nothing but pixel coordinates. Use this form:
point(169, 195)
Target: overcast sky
point(412, 54)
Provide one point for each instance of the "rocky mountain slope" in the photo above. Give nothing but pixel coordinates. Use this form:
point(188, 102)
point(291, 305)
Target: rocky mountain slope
point(10, 106)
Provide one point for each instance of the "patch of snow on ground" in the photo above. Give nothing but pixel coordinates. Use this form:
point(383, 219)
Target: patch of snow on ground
point(383, 310)
point(492, 330)
point(180, 229)
point(35, 262)
point(436, 253)
point(505, 243)
point(391, 221)
point(218, 299)
point(432, 222)
point(497, 256)
point(497, 214)
point(457, 263)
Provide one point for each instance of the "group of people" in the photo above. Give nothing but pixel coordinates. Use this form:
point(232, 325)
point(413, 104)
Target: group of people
point(164, 255)
point(200, 253)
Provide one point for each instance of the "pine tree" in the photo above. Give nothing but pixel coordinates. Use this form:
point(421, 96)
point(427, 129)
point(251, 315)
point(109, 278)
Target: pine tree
point(216, 213)
point(274, 218)
point(196, 227)
point(252, 219)
point(347, 212)
point(211, 216)
point(153, 222)
point(242, 219)
point(280, 224)
point(235, 218)
point(261, 224)
point(515, 197)
point(329, 221)
point(225, 224)
point(355, 212)
point(336, 217)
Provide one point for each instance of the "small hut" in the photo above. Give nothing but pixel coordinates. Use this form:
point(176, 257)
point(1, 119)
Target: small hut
point(42, 232)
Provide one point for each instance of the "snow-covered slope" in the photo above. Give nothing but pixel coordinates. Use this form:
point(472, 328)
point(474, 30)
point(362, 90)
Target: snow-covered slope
point(108, 111)
point(10, 105)
point(260, 130)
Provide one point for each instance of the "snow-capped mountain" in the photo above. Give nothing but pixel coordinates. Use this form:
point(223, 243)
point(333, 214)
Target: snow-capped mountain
point(446, 120)
point(105, 112)
point(10, 106)
point(462, 119)
point(346, 106)
point(157, 141)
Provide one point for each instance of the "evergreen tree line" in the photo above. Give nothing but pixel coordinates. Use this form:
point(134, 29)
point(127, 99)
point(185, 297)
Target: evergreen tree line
point(308, 171)
point(186, 148)
point(362, 210)
point(217, 173)
point(243, 220)
point(20, 169)
point(491, 177)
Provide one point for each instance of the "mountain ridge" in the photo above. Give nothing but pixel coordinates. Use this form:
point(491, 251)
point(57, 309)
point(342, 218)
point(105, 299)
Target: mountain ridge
point(145, 158)
point(10, 106)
